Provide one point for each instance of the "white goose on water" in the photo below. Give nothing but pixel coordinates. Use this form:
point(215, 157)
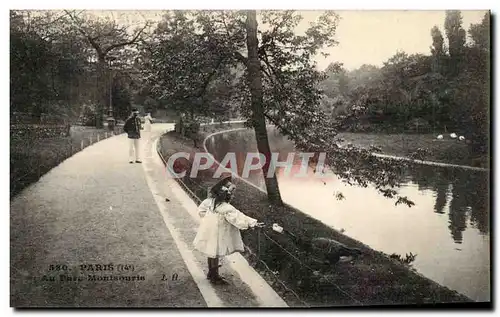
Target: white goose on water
point(461, 138)
point(453, 136)
point(440, 137)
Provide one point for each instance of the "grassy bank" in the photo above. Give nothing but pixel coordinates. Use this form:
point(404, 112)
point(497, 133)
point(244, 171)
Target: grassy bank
point(447, 150)
point(371, 279)
point(31, 158)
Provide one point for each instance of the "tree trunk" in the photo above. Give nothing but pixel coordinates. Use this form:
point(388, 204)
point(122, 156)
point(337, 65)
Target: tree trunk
point(259, 121)
point(191, 109)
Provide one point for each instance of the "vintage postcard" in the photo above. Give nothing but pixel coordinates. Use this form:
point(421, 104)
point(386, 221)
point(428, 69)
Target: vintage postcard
point(253, 159)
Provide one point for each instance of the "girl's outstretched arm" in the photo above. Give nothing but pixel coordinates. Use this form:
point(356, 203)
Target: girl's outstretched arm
point(237, 218)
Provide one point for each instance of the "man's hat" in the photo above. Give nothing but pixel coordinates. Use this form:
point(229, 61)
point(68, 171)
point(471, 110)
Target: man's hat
point(218, 186)
point(135, 110)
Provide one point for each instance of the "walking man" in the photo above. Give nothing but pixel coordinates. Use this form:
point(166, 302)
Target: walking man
point(133, 129)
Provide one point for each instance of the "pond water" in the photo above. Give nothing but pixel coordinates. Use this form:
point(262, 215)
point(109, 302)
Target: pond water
point(448, 228)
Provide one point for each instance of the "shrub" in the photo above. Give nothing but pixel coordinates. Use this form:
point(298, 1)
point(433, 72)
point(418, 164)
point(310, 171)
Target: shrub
point(418, 125)
point(31, 131)
point(88, 117)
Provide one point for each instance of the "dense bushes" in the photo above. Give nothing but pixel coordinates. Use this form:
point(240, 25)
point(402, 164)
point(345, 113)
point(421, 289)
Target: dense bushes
point(88, 117)
point(29, 131)
point(445, 91)
point(188, 128)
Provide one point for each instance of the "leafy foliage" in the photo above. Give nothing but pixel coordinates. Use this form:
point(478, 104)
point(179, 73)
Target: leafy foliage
point(444, 91)
point(88, 116)
point(202, 64)
point(60, 62)
point(188, 70)
point(112, 49)
point(192, 53)
point(407, 259)
point(47, 65)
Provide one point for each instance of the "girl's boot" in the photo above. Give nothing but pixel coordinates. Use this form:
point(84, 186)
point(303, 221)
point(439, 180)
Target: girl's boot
point(211, 270)
point(216, 278)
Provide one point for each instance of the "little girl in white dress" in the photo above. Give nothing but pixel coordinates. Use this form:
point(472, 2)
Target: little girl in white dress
point(219, 231)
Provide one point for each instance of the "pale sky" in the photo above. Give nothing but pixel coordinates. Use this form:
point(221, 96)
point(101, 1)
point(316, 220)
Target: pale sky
point(371, 37)
point(364, 36)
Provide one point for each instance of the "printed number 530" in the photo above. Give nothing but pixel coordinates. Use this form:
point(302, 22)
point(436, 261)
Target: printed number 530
point(58, 267)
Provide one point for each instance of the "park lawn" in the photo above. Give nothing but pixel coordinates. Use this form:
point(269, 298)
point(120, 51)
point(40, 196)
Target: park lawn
point(30, 159)
point(451, 151)
point(371, 279)
point(447, 150)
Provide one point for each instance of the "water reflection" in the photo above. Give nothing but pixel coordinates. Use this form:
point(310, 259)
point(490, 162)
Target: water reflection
point(464, 191)
point(457, 214)
point(448, 228)
point(442, 196)
point(462, 194)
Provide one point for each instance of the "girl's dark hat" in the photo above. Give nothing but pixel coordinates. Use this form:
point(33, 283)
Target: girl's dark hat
point(216, 188)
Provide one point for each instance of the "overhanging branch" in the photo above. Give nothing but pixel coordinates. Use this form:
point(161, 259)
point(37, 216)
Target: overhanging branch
point(210, 76)
point(274, 72)
point(240, 58)
point(92, 40)
point(132, 41)
point(277, 124)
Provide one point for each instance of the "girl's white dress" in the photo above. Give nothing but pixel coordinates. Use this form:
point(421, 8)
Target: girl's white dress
point(147, 123)
point(219, 231)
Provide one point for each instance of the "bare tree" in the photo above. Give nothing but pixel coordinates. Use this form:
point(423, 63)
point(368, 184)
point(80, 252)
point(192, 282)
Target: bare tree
point(106, 37)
